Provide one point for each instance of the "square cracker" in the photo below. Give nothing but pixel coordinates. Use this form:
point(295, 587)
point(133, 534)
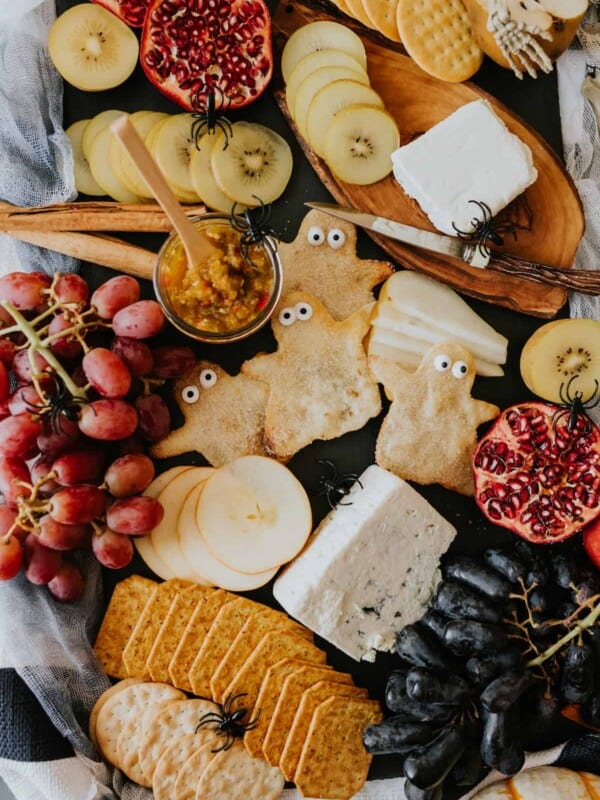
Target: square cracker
point(142, 637)
point(225, 627)
point(287, 704)
point(124, 610)
point(272, 648)
point(171, 631)
point(311, 698)
point(334, 763)
point(206, 610)
point(266, 701)
point(255, 627)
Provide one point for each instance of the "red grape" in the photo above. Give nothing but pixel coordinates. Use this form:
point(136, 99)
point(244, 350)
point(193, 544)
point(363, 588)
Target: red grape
point(154, 417)
point(18, 435)
point(77, 505)
point(11, 558)
point(129, 474)
point(4, 383)
point(71, 288)
point(24, 399)
point(8, 519)
point(113, 550)
point(114, 295)
point(24, 289)
point(108, 420)
point(39, 470)
point(42, 563)
point(79, 466)
point(136, 354)
point(172, 361)
point(140, 320)
point(63, 346)
point(7, 350)
point(21, 365)
point(134, 516)
point(13, 472)
point(106, 372)
point(68, 585)
point(54, 440)
point(58, 536)
point(133, 444)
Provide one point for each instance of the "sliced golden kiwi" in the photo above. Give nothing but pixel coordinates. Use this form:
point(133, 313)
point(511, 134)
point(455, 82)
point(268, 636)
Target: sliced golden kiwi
point(91, 48)
point(172, 148)
point(84, 180)
point(143, 122)
point(321, 35)
point(203, 179)
point(314, 61)
point(359, 143)
point(311, 85)
point(101, 169)
point(560, 351)
point(95, 125)
point(326, 104)
point(255, 167)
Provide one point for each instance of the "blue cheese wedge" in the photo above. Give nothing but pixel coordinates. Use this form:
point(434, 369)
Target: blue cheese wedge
point(370, 568)
point(471, 155)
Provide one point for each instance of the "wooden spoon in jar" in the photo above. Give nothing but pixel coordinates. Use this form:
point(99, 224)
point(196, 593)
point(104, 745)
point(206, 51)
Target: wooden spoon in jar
point(197, 247)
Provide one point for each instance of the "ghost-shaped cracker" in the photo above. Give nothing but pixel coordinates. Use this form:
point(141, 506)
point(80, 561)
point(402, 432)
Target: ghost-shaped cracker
point(224, 416)
point(430, 431)
point(320, 384)
point(322, 260)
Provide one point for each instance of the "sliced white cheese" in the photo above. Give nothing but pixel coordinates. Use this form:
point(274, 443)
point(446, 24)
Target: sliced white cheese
point(370, 568)
point(471, 155)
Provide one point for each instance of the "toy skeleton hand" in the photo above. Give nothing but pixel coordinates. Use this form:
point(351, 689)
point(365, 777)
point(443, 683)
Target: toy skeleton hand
point(517, 40)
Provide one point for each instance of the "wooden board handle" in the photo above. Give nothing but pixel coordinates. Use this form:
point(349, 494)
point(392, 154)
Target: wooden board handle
point(586, 281)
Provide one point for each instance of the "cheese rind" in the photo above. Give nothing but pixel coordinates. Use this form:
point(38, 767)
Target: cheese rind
point(370, 568)
point(471, 155)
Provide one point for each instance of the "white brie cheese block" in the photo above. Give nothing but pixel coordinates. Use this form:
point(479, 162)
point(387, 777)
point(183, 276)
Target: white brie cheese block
point(370, 568)
point(471, 155)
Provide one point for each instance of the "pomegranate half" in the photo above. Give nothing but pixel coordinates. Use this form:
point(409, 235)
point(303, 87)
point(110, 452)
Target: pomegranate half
point(132, 12)
point(537, 478)
point(192, 47)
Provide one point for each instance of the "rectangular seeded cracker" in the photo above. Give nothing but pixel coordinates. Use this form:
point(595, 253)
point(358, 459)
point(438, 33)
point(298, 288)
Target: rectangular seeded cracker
point(206, 610)
point(272, 648)
point(225, 627)
point(334, 763)
point(311, 698)
point(124, 610)
point(255, 627)
point(172, 630)
point(148, 625)
point(266, 702)
point(287, 705)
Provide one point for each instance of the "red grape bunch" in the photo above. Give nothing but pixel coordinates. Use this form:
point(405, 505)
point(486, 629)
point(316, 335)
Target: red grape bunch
point(74, 427)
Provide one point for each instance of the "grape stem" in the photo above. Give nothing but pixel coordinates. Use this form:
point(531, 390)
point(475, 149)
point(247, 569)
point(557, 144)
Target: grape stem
point(582, 625)
point(37, 345)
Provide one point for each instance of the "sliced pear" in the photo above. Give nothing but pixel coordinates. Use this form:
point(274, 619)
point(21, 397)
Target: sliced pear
point(560, 351)
point(314, 61)
point(254, 514)
point(405, 358)
point(104, 174)
point(326, 104)
point(322, 35)
point(311, 85)
point(144, 122)
point(95, 126)
point(172, 148)
point(201, 559)
point(84, 180)
point(359, 144)
point(91, 48)
point(256, 165)
point(203, 179)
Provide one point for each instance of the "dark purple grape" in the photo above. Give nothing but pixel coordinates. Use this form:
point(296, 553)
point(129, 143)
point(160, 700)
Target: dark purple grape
point(154, 420)
point(457, 601)
point(417, 646)
point(577, 680)
point(172, 361)
point(502, 692)
point(541, 708)
point(135, 354)
point(540, 603)
point(468, 637)
point(564, 570)
point(434, 622)
point(483, 669)
point(395, 689)
point(590, 711)
point(500, 745)
point(478, 577)
point(588, 585)
point(412, 792)
point(428, 766)
point(427, 687)
point(507, 564)
point(395, 735)
point(413, 711)
point(467, 771)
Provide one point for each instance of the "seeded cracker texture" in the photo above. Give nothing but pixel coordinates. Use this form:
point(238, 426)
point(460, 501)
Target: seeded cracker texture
point(234, 775)
point(370, 568)
point(173, 759)
point(128, 743)
point(186, 782)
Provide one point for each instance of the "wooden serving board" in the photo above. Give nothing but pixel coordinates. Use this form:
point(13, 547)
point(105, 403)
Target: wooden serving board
point(417, 101)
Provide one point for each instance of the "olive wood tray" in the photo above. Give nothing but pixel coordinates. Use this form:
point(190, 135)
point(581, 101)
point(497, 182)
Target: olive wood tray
point(418, 101)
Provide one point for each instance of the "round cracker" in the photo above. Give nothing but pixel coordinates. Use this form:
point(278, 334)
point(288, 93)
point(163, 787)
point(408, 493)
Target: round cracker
point(130, 739)
point(106, 695)
point(382, 14)
point(174, 757)
point(357, 10)
point(437, 36)
point(128, 704)
point(234, 775)
point(171, 722)
point(186, 782)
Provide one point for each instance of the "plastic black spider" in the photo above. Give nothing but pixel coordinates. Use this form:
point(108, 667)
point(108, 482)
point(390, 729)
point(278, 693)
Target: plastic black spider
point(252, 223)
point(228, 722)
point(576, 406)
point(334, 485)
point(488, 229)
point(60, 404)
point(209, 119)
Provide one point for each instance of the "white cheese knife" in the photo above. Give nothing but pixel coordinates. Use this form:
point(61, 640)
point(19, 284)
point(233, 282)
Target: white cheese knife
point(584, 281)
